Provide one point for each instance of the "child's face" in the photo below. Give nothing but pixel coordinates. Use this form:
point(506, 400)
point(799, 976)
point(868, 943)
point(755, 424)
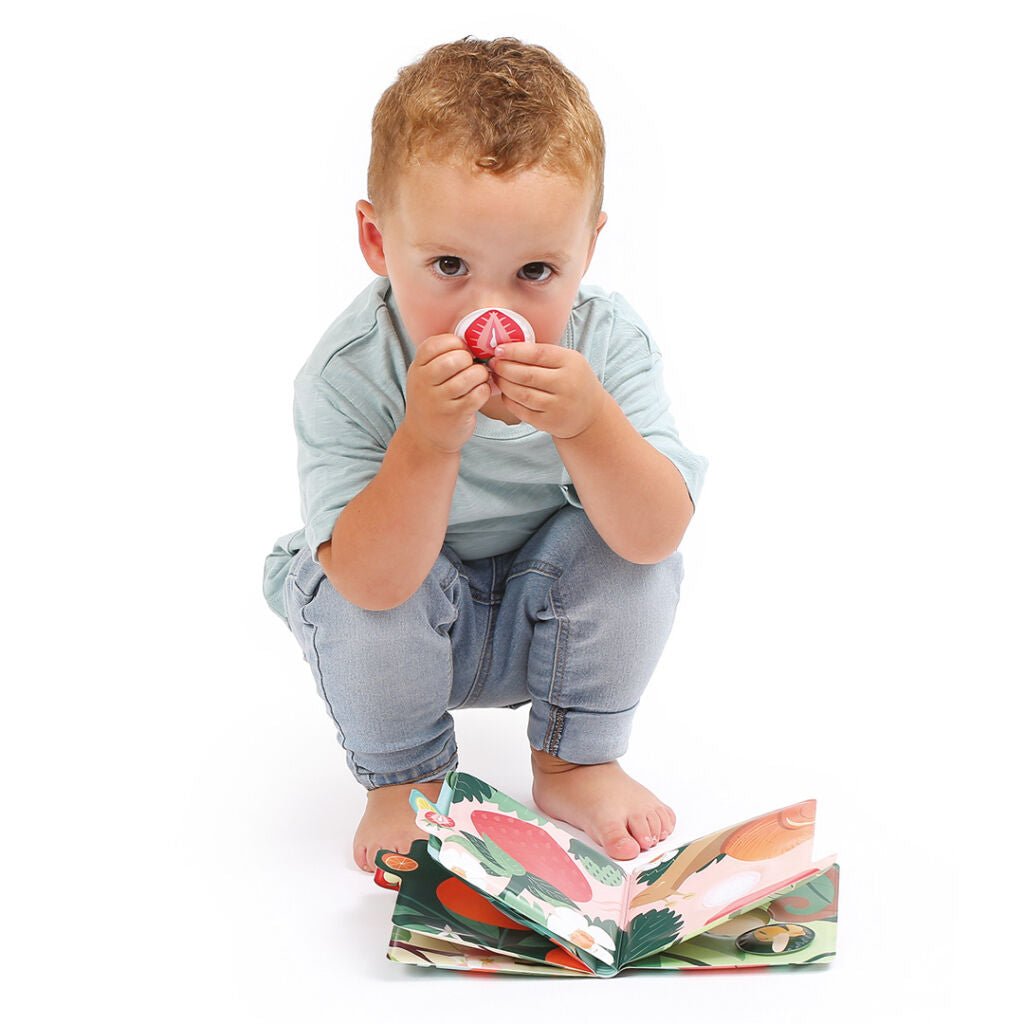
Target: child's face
point(455, 240)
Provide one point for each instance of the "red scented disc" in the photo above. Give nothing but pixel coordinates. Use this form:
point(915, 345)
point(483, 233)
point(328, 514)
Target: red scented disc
point(484, 330)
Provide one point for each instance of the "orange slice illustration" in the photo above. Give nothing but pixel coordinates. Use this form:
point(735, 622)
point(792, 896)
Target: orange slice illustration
point(396, 862)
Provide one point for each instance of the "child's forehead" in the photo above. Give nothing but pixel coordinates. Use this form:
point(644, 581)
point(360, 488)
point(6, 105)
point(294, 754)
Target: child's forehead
point(432, 195)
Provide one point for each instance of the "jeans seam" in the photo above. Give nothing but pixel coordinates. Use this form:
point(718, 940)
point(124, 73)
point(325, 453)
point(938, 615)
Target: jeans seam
point(534, 565)
point(483, 666)
point(453, 576)
point(556, 726)
point(450, 598)
point(323, 689)
point(294, 574)
point(556, 721)
point(371, 777)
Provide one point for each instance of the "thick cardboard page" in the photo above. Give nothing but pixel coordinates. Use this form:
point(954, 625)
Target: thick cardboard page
point(427, 951)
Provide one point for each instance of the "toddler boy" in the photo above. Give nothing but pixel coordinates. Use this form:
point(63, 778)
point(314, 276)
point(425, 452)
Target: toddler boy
point(486, 534)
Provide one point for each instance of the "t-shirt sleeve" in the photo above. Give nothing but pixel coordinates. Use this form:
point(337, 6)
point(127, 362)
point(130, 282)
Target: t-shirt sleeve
point(339, 454)
point(633, 377)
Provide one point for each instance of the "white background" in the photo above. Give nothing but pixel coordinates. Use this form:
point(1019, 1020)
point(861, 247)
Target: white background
point(817, 209)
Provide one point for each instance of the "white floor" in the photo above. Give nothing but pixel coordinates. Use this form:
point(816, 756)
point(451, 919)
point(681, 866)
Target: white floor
point(198, 864)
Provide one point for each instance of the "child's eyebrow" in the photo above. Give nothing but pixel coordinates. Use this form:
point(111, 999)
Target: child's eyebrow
point(554, 257)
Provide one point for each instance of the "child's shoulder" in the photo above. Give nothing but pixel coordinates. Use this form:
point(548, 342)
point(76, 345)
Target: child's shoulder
point(365, 332)
point(602, 318)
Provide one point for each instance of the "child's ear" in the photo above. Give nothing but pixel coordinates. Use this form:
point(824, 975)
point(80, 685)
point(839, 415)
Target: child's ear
point(371, 241)
point(601, 221)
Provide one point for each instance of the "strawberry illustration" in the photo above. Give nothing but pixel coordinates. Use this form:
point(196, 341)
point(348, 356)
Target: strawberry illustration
point(484, 330)
point(537, 851)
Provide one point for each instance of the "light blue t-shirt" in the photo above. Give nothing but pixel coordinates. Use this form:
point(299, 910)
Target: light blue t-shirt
point(350, 399)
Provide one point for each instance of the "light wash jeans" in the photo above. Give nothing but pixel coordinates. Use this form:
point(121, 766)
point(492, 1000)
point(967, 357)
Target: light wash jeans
point(563, 623)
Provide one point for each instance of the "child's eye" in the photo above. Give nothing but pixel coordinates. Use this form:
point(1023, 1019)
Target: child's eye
point(449, 266)
point(536, 272)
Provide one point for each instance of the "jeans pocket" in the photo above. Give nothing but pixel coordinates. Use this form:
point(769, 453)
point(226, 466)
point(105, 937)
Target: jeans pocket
point(306, 575)
point(300, 587)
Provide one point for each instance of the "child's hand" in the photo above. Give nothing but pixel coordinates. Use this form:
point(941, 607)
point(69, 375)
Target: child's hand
point(552, 388)
point(444, 390)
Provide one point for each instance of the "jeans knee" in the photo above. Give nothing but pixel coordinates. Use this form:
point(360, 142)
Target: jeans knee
point(587, 560)
point(313, 603)
point(646, 595)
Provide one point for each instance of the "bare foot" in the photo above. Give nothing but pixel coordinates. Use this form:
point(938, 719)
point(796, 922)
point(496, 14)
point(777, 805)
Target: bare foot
point(603, 801)
point(389, 822)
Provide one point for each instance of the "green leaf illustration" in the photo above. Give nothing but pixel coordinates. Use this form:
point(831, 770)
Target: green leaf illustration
point(510, 806)
point(546, 891)
point(650, 875)
point(650, 932)
point(506, 865)
point(596, 864)
point(469, 787)
point(493, 859)
point(536, 885)
point(709, 863)
point(512, 898)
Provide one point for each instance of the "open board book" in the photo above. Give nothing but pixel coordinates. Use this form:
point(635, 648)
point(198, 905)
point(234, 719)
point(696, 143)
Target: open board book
point(499, 887)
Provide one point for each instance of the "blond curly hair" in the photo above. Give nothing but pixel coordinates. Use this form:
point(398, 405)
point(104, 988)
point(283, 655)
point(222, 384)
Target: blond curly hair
point(501, 105)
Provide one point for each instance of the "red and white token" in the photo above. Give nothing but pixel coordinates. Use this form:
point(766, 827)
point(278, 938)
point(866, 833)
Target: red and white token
point(484, 330)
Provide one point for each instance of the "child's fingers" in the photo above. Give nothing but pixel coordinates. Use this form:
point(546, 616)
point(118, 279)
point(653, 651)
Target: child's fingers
point(536, 355)
point(540, 378)
point(528, 398)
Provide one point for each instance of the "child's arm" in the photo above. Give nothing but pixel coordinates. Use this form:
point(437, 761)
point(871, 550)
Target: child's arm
point(387, 538)
point(392, 531)
point(634, 495)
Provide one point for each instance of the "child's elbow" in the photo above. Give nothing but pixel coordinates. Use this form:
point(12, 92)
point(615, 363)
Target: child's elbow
point(370, 595)
point(682, 520)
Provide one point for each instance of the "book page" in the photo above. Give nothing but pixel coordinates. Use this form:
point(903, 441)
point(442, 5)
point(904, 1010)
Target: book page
point(426, 950)
point(536, 870)
point(718, 875)
point(435, 903)
point(798, 926)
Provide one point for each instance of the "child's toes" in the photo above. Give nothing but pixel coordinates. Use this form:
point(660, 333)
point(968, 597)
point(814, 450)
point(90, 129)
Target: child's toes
point(360, 855)
point(645, 829)
point(619, 844)
point(654, 824)
point(668, 823)
point(669, 816)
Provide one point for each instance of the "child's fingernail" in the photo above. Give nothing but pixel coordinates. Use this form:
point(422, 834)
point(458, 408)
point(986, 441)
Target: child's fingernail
point(500, 350)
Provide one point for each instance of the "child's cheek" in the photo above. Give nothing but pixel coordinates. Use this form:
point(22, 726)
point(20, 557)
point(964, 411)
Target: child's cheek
point(549, 318)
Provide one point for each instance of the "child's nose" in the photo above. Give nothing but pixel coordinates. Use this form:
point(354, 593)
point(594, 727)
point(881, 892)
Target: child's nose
point(492, 298)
